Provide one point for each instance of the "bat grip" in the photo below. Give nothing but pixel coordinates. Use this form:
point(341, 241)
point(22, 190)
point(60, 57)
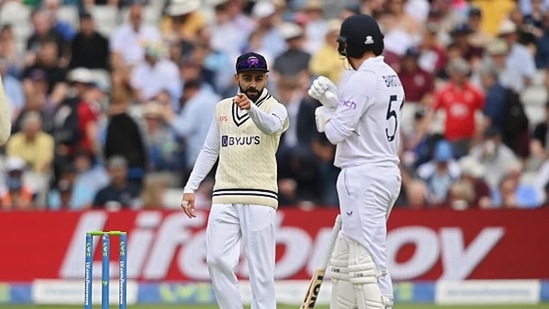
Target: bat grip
point(331, 243)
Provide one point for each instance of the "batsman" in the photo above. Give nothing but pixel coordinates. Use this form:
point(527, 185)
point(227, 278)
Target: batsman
point(362, 118)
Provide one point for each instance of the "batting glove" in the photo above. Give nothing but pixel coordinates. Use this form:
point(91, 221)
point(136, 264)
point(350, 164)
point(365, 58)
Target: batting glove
point(322, 115)
point(325, 91)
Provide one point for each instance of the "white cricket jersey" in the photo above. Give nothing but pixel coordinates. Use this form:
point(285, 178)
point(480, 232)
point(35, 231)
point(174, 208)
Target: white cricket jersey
point(366, 124)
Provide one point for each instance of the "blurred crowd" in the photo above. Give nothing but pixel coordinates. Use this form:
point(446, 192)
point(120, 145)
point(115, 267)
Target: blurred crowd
point(111, 100)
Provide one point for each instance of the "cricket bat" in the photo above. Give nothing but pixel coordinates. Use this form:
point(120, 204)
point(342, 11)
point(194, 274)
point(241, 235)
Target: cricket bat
point(318, 276)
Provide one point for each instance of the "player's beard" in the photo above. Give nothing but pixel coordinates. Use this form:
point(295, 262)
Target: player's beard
point(252, 93)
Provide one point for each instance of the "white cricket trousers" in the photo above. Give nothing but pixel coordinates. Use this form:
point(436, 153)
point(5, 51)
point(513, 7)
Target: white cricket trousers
point(366, 196)
point(255, 226)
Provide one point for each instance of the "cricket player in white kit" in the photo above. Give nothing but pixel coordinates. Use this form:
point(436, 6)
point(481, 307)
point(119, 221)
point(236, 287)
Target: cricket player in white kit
point(244, 135)
point(362, 119)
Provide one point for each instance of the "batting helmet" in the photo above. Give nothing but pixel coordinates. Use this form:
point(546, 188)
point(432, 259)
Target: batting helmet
point(358, 34)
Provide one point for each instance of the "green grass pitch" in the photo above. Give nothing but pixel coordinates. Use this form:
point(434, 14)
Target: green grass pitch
point(397, 306)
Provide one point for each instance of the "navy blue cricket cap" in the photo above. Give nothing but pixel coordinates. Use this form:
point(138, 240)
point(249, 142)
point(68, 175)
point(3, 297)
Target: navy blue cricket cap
point(251, 62)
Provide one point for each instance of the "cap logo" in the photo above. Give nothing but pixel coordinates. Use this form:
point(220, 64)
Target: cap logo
point(251, 63)
point(369, 40)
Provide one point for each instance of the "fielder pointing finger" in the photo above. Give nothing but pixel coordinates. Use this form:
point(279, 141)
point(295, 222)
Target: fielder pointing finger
point(244, 135)
point(363, 120)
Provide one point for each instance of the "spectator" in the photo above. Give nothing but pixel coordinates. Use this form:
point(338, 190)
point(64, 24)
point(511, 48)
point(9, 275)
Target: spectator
point(43, 32)
point(238, 15)
point(55, 74)
point(440, 173)
point(178, 50)
point(513, 193)
point(415, 194)
point(229, 25)
point(504, 108)
point(124, 138)
point(119, 193)
point(294, 60)
point(16, 195)
point(287, 193)
point(153, 194)
point(192, 122)
point(11, 51)
point(447, 17)
point(126, 42)
point(478, 37)
point(461, 36)
point(267, 19)
point(51, 8)
point(155, 74)
point(417, 142)
point(89, 49)
point(89, 112)
point(432, 53)
point(89, 178)
point(396, 40)
point(472, 172)
point(315, 25)
point(325, 61)
point(404, 21)
point(324, 153)
point(418, 84)
point(519, 58)
point(36, 100)
point(497, 53)
point(495, 95)
point(160, 139)
point(32, 144)
point(61, 197)
point(216, 69)
point(494, 156)
point(460, 100)
point(66, 122)
point(184, 20)
point(493, 18)
point(527, 32)
point(460, 195)
point(418, 9)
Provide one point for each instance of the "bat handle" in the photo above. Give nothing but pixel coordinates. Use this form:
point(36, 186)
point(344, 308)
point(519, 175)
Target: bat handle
point(331, 242)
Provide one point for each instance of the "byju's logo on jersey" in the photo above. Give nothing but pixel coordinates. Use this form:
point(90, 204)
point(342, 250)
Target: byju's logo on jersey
point(239, 140)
